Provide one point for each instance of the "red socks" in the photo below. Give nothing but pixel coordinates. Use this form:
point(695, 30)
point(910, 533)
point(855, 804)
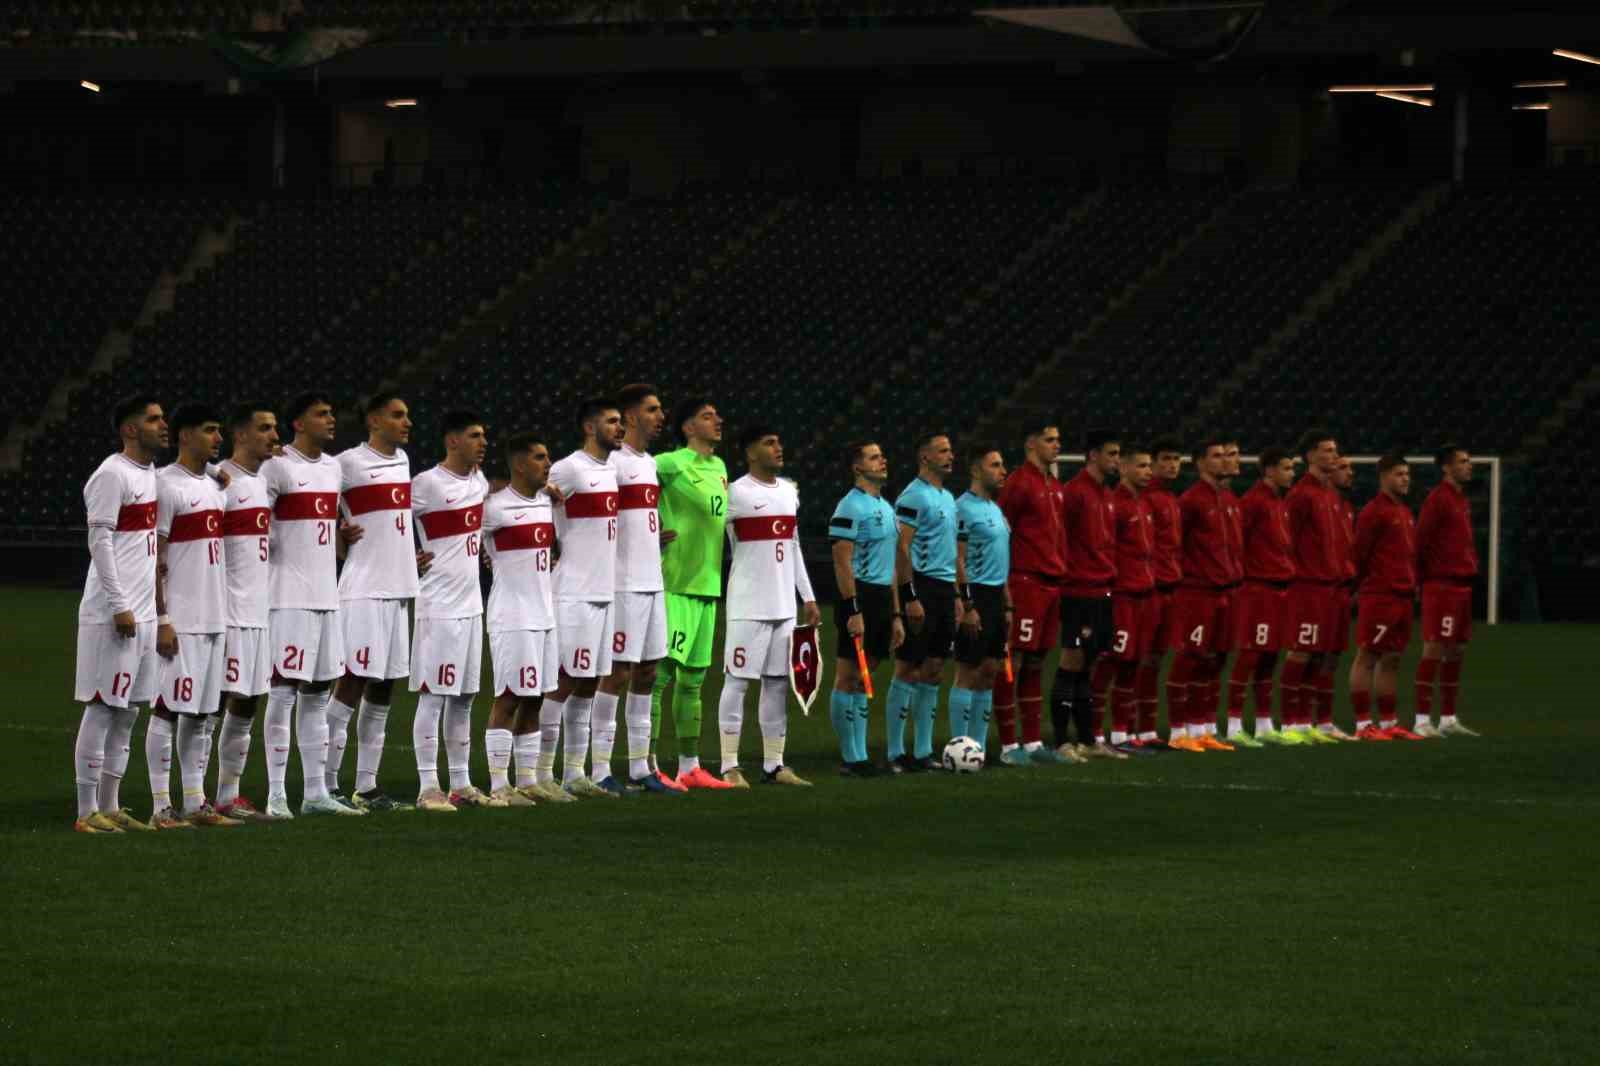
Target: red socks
point(1294, 672)
point(1427, 670)
point(1144, 693)
point(1386, 711)
point(1361, 703)
point(1240, 681)
point(1449, 685)
point(1324, 696)
point(1178, 690)
point(1029, 704)
point(1005, 708)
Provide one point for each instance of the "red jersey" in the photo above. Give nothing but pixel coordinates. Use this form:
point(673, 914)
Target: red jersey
point(1031, 500)
point(1089, 518)
point(1264, 529)
point(1210, 553)
point(1445, 549)
point(1385, 548)
point(1135, 529)
point(1319, 535)
point(1347, 526)
point(1168, 526)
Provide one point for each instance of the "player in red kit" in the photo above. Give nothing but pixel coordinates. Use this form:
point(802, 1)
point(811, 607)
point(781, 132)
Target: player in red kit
point(1202, 608)
point(1317, 545)
point(1090, 524)
point(1344, 476)
point(1447, 562)
point(1385, 561)
point(1133, 604)
point(1031, 500)
point(1262, 604)
point(1165, 560)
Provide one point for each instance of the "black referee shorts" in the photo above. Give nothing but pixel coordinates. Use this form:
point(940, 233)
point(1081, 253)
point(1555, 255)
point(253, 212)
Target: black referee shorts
point(990, 643)
point(877, 615)
point(937, 637)
point(1086, 623)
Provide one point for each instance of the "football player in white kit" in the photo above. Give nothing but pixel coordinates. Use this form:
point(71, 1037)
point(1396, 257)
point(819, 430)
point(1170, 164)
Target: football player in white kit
point(519, 534)
point(117, 615)
point(302, 488)
point(376, 583)
point(447, 646)
point(586, 583)
point(192, 613)
point(247, 651)
point(640, 641)
point(766, 576)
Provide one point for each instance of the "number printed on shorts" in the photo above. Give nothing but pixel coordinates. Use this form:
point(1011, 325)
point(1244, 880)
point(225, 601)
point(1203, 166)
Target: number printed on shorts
point(1197, 635)
point(233, 671)
point(1120, 644)
point(1377, 638)
point(619, 642)
point(528, 677)
point(1025, 630)
point(294, 658)
point(364, 657)
point(182, 689)
point(679, 639)
point(120, 684)
point(1263, 634)
point(1308, 632)
point(580, 658)
point(447, 675)
point(738, 658)
point(1447, 625)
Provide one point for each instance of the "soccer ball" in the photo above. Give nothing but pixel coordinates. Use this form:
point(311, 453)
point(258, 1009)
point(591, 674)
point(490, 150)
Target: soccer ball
point(963, 755)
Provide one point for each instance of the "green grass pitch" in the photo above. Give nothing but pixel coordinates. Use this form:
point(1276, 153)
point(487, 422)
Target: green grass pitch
point(1407, 903)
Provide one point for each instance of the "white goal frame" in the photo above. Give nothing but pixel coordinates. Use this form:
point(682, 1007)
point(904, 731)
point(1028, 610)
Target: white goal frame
point(1495, 485)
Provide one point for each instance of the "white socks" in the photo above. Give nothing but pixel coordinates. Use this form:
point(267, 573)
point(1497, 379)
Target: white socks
point(1263, 725)
point(192, 734)
point(88, 755)
point(233, 748)
point(280, 707)
point(458, 739)
point(730, 718)
point(526, 748)
point(339, 715)
point(575, 745)
point(208, 729)
point(311, 736)
point(158, 761)
point(602, 734)
point(637, 713)
point(550, 716)
point(497, 745)
point(114, 761)
point(774, 711)
point(371, 724)
point(425, 738)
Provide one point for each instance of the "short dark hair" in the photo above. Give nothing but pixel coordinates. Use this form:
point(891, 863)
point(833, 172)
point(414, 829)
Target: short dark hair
point(302, 403)
point(189, 415)
point(978, 451)
point(1164, 445)
point(1389, 460)
point(379, 400)
point(925, 439)
point(244, 414)
point(853, 450)
point(1310, 439)
point(685, 410)
point(1096, 439)
point(1272, 456)
point(458, 420)
point(516, 443)
point(1205, 444)
point(130, 407)
point(1131, 450)
point(753, 434)
point(1035, 425)
point(1447, 454)
point(595, 405)
point(631, 396)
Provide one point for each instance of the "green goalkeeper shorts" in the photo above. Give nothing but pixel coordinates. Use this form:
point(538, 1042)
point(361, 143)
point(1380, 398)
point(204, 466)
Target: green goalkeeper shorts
point(691, 629)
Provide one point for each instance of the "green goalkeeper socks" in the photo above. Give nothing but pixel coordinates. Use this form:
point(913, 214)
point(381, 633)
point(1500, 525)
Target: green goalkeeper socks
point(686, 709)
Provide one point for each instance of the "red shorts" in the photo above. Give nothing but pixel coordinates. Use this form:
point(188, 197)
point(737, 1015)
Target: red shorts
point(1036, 623)
point(1200, 620)
point(1384, 623)
point(1313, 619)
point(1447, 613)
point(1341, 619)
point(1258, 617)
point(1161, 607)
point(1135, 624)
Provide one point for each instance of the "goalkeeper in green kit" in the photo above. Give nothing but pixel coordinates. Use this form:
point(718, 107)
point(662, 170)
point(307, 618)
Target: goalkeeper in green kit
point(694, 511)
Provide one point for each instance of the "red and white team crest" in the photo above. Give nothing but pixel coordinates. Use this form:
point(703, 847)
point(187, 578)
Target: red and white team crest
point(805, 666)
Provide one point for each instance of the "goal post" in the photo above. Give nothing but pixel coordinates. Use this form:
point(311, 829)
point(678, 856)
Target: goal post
point(1496, 486)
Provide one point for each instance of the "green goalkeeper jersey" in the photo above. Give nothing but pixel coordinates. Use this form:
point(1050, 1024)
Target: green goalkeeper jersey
point(694, 505)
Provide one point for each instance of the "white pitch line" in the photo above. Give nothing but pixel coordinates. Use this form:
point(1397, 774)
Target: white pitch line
point(1431, 797)
point(18, 727)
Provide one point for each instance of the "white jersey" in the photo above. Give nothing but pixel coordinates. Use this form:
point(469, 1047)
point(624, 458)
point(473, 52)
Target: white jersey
point(376, 495)
point(448, 509)
point(586, 528)
point(304, 496)
point(189, 516)
point(767, 569)
point(121, 496)
point(638, 524)
point(520, 533)
point(246, 529)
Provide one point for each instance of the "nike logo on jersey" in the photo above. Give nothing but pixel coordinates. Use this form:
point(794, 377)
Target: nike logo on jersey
point(451, 499)
point(518, 516)
point(242, 499)
point(592, 484)
point(302, 484)
point(378, 474)
point(760, 506)
point(138, 495)
point(633, 477)
point(194, 503)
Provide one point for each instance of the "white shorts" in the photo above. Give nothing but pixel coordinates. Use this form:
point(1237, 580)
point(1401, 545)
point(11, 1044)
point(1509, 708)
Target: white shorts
point(306, 645)
point(191, 681)
point(586, 635)
point(116, 671)
point(447, 656)
point(527, 662)
point(755, 649)
point(641, 627)
point(376, 644)
point(247, 662)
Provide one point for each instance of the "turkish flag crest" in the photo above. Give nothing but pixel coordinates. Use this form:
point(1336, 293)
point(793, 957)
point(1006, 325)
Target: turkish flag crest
point(805, 666)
